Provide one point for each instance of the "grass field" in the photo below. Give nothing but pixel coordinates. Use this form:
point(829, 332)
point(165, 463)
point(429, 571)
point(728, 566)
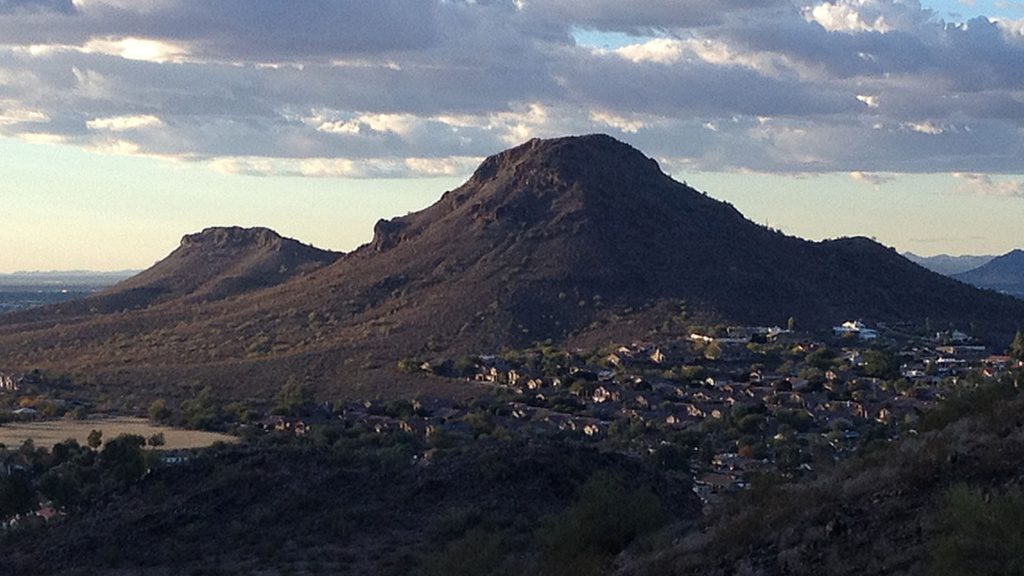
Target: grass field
point(49, 432)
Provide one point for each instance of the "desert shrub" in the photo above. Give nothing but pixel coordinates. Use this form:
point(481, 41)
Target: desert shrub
point(476, 552)
point(605, 518)
point(967, 402)
point(979, 536)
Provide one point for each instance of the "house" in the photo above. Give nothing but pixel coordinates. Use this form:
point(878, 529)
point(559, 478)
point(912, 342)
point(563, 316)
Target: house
point(718, 382)
point(855, 329)
point(998, 361)
point(175, 458)
point(602, 394)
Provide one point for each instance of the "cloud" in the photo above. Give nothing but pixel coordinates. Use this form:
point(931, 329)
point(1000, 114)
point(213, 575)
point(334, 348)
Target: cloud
point(845, 17)
point(871, 179)
point(136, 49)
point(926, 127)
point(618, 122)
point(986, 185)
point(400, 87)
point(347, 167)
point(868, 100)
point(124, 123)
point(35, 6)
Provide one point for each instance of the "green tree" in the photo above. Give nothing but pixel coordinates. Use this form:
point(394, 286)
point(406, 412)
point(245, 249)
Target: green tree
point(713, 351)
point(791, 324)
point(94, 439)
point(821, 358)
point(201, 411)
point(158, 411)
point(157, 440)
point(606, 517)
point(16, 494)
point(293, 398)
point(122, 459)
point(980, 536)
point(880, 364)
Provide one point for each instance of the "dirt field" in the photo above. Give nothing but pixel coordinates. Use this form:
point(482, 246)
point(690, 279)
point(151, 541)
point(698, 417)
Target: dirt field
point(50, 432)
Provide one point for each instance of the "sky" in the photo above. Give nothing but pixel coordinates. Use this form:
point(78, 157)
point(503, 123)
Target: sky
point(125, 124)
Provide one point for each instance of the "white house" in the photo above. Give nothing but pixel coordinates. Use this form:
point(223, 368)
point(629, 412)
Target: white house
point(856, 328)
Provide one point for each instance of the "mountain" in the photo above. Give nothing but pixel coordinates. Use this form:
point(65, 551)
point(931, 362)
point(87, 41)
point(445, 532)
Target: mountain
point(1003, 274)
point(948, 265)
point(580, 240)
point(214, 264)
point(222, 262)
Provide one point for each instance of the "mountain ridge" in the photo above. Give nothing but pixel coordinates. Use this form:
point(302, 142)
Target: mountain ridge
point(583, 241)
point(1003, 274)
point(948, 265)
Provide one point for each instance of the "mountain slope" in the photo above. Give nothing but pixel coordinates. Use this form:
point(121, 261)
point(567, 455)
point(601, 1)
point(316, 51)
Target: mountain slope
point(580, 240)
point(1003, 274)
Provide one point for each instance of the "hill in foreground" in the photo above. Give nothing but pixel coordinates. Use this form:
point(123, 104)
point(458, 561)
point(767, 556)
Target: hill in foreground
point(944, 501)
point(369, 504)
point(580, 240)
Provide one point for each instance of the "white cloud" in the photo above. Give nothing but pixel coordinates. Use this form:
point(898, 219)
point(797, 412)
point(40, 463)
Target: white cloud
point(629, 126)
point(349, 127)
point(348, 167)
point(42, 137)
point(658, 50)
point(9, 116)
point(846, 16)
point(432, 167)
point(243, 166)
point(871, 179)
point(124, 123)
point(115, 148)
point(869, 101)
point(1013, 29)
point(136, 49)
point(927, 127)
point(391, 86)
point(986, 185)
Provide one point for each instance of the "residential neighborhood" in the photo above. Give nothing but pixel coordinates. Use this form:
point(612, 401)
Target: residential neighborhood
point(742, 401)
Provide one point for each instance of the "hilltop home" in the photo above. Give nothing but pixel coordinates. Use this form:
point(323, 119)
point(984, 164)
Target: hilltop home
point(856, 328)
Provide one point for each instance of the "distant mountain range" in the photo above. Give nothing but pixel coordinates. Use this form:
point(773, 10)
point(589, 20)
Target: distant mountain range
point(1004, 274)
point(1000, 273)
point(948, 265)
point(583, 241)
point(64, 278)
